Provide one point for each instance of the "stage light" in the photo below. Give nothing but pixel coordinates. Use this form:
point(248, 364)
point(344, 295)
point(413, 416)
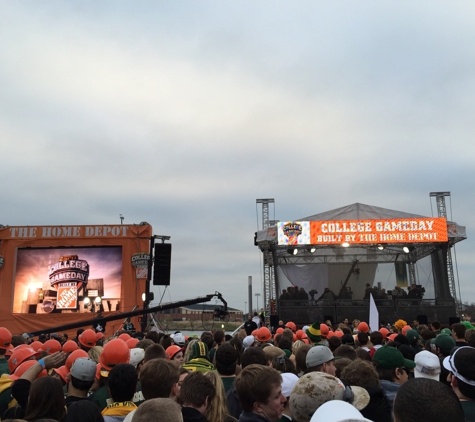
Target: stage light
point(98, 300)
point(345, 244)
point(381, 247)
point(405, 249)
point(312, 249)
point(86, 301)
point(293, 251)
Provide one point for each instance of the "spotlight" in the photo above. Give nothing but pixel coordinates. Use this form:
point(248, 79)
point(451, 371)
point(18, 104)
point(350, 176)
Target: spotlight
point(293, 251)
point(86, 301)
point(381, 247)
point(98, 300)
point(405, 249)
point(312, 249)
point(345, 244)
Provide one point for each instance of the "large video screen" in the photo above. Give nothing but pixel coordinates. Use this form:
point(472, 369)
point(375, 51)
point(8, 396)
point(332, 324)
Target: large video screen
point(57, 279)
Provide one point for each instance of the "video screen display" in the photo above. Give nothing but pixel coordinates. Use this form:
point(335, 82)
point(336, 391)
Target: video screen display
point(57, 279)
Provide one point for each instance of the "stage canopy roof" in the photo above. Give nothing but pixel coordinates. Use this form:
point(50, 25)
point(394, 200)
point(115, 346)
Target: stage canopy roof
point(361, 216)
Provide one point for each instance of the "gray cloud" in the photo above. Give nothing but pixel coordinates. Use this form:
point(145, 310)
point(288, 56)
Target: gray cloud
point(182, 115)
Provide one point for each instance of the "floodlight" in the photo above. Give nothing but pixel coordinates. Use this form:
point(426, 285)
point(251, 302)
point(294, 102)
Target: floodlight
point(345, 244)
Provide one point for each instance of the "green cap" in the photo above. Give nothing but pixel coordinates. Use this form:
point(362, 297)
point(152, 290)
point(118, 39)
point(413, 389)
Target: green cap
point(412, 336)
point(447, 331)
point(445, 343)
point(391, 358)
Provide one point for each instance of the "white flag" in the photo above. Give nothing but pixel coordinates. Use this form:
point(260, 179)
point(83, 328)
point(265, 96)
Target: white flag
point(373, 314)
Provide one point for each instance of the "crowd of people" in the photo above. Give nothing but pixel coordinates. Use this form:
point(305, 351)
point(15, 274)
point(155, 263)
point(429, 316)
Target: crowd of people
point(319, 372)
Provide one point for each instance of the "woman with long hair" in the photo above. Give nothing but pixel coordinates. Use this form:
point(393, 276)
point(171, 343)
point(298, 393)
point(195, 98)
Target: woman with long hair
point(218, 411)
point(46, 400)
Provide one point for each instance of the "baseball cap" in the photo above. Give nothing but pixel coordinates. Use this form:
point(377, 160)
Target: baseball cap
point(314, 389)
point(391, 358)
point(288, 383)
point(412, 336)
point(427, 365)
point(445, 343)
point(199, 350)
point(84, 369)
point(450, 362)
point(248, 342)
point(338, 411)
point(178, 338)
point(136, 356)
point(318, 355)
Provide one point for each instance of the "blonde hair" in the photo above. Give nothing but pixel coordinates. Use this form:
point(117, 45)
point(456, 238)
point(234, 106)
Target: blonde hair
point(219, 409)
point(95, 352)
point(296, 345)
point(186, 355)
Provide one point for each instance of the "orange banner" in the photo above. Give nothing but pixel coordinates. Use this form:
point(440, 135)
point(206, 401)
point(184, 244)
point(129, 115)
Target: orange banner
point(413, 230)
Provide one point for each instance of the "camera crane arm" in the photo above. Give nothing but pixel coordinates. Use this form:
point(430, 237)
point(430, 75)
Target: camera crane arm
point(125, 315)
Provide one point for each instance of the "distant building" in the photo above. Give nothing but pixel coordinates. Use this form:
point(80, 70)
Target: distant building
point(195, 313)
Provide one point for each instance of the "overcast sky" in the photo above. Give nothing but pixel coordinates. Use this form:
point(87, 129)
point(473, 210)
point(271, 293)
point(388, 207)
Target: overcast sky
point(182, 114)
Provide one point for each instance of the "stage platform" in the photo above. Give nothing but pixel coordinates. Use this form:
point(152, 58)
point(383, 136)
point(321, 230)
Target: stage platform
point(307, 312)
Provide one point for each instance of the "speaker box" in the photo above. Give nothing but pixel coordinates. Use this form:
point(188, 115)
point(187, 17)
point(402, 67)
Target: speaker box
point(274, 321)
point(162, 264)
point(454, 320)
point(423, 319)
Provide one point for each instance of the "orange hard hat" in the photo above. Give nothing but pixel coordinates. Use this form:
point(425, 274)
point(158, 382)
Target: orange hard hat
point(99, 335)
point(21, 369)
point(254, 333)
point(339, 334)
point(384, 332)
point(36, 345)
point(363, 326)
point(51, 346)
point(279, 330)
point(79, 353)
point(291, 325)
point(114, 352)
point(87, 338)
point(70, 346)
point(299, 334)
point(263, 334)
point(305, 339)
point(62, 371)
point(330, 334)
point(19, 356)
point(5, 338)
point(172, 351)
point(392, 337)
point(124, 337)
point(406, 328)
point(132, 342)
point(324, 330)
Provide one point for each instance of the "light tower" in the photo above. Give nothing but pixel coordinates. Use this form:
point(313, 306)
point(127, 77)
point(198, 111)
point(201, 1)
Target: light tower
point(269, 280)
point(442, 212)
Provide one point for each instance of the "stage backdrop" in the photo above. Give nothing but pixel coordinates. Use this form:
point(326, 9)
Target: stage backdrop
point(47, 271)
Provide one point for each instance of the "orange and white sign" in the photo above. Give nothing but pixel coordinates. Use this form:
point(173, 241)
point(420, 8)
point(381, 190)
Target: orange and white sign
point(414, 230)
point(333, 232)
point(67, 296)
